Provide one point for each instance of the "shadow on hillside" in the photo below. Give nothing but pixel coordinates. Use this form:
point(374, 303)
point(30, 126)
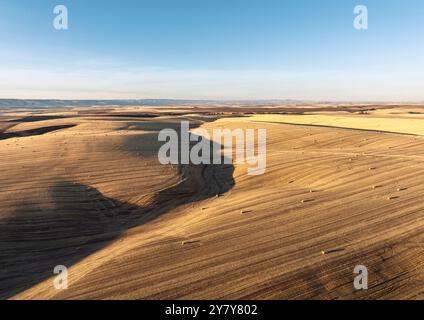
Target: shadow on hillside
point(81, 221)
point(34, 132)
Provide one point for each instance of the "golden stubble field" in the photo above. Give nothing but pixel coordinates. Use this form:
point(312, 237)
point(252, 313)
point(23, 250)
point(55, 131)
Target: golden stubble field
point(86, 190)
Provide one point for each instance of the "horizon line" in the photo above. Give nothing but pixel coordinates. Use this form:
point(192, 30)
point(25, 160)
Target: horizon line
point(274, 100)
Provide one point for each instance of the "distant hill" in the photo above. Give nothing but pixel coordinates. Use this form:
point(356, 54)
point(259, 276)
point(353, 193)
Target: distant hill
point(19, 103)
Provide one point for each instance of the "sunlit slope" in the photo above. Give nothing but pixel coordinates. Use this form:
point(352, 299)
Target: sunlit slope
point(362, 122)
point(356, 195)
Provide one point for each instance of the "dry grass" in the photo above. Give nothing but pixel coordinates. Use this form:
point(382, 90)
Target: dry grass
point(273, 252)
point(411, 126)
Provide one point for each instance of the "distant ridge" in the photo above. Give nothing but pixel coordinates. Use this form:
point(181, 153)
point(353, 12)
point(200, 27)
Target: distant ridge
point(48, 103)
point(51, 103)
point(57, 103)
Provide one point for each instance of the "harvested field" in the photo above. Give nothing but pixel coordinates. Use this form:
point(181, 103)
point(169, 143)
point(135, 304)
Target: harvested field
point(93, 197)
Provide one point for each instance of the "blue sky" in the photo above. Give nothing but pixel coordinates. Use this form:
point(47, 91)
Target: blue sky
point(213, 49)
